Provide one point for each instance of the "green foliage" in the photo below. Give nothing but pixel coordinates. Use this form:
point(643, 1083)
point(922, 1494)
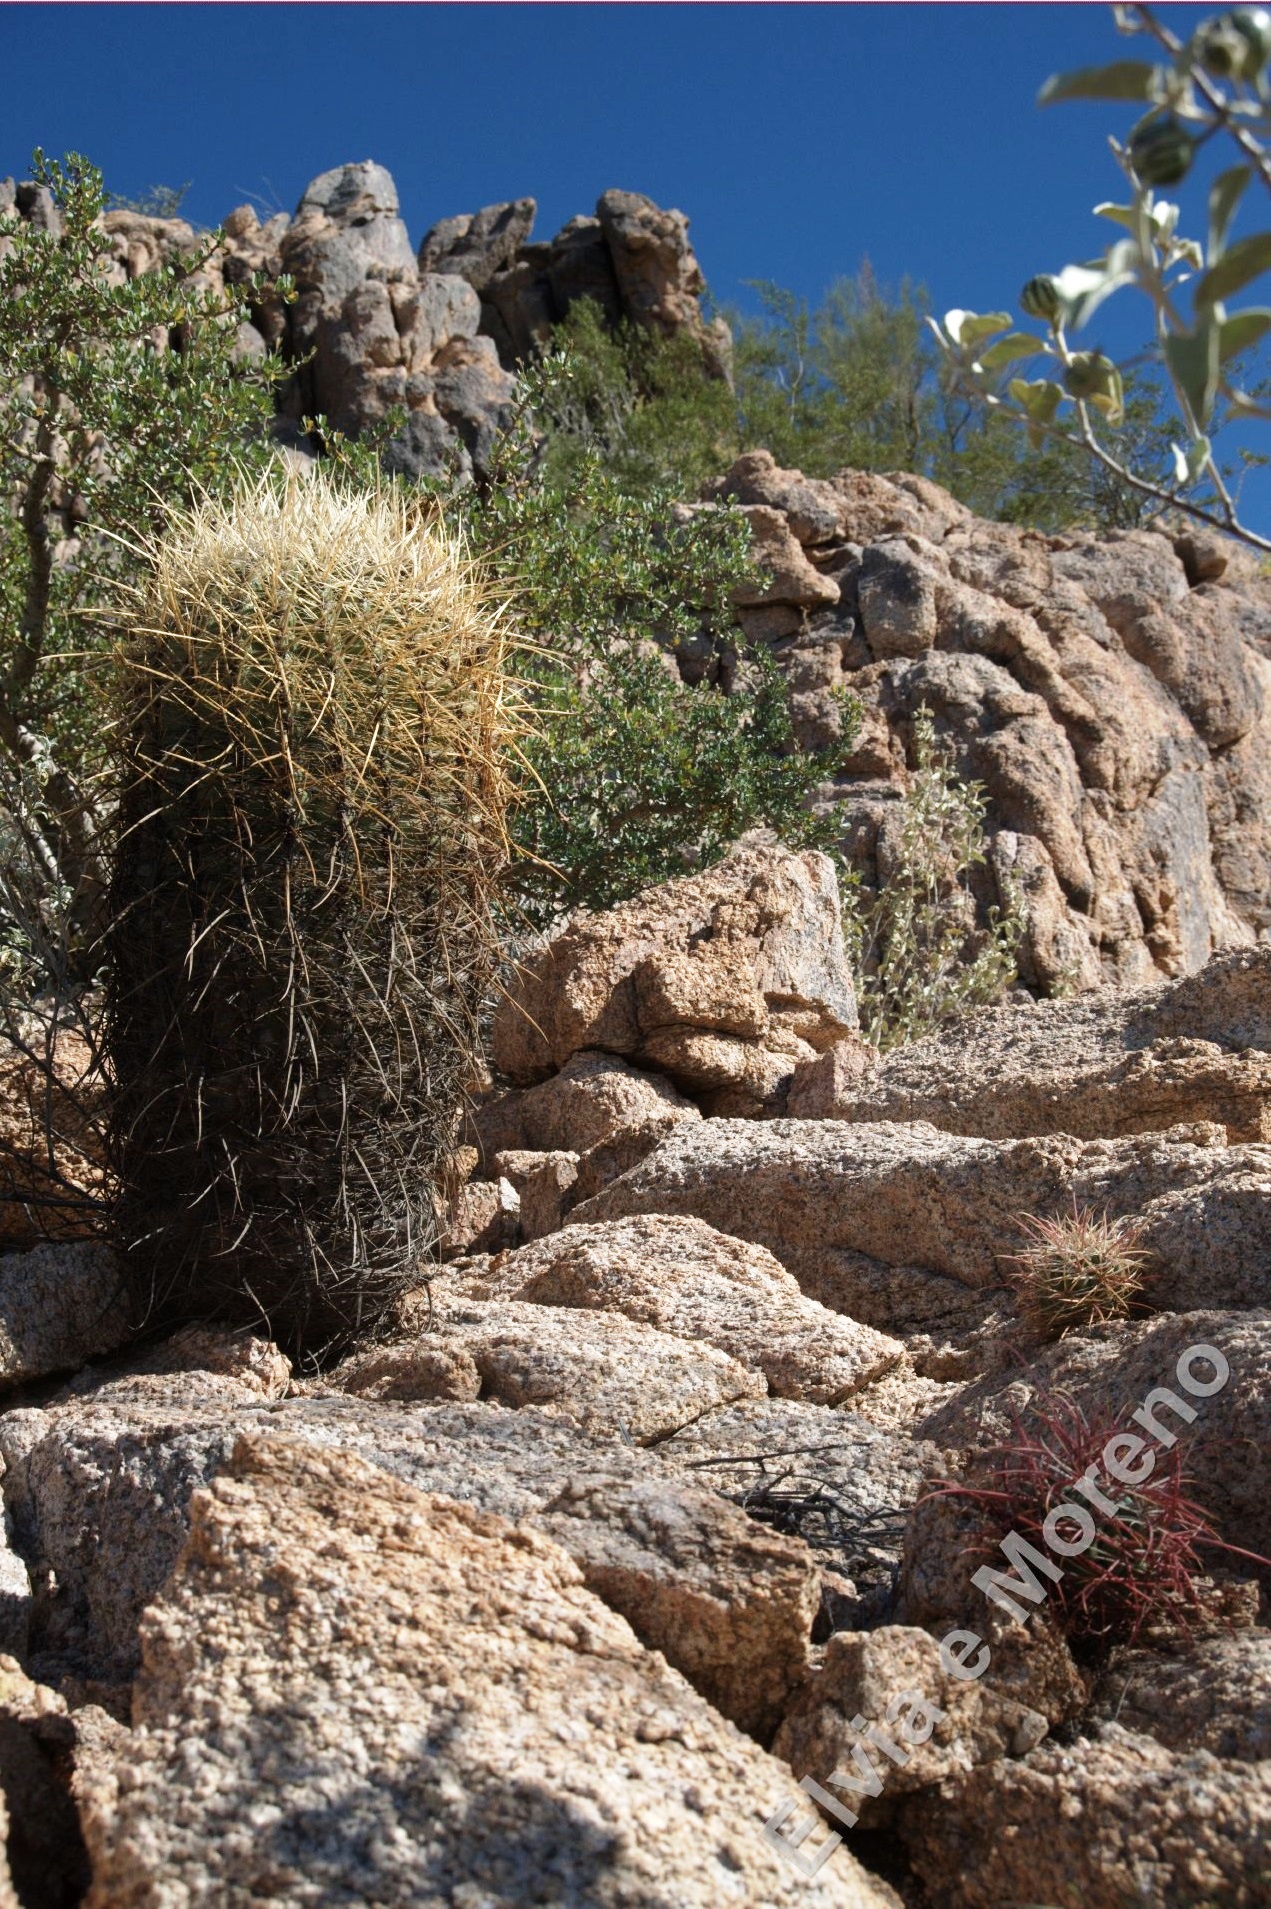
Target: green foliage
point(1080, 1269)
point(119, 400)
point(643, 778)
point(1208, 358)
point(845, 385)
point(647, 404)
point(633, 775)
point(859, 382)
point(916, 946)
point(854, 382)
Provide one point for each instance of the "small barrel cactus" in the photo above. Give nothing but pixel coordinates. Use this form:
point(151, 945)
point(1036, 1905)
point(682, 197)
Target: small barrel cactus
point(1080, 1269)
point(310, 735)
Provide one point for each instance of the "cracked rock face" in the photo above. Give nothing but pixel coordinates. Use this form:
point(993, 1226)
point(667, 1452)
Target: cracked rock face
point(610, 1373)
point(1115, 1818)
point(840, 1204)
point(1108, 1064)
point(722, 981)
point(699, 1286)
point(1112, 694)
point(380, 1618)
point(100, 1495)
point(872, 1675)
point(1213, 1695)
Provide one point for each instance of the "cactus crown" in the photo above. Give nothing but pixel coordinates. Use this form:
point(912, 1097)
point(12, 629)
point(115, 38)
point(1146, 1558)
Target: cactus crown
point(1081, 1268)
point(311, 726)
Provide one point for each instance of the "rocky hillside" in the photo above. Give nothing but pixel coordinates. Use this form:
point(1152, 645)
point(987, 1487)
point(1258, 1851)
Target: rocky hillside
point(625, 1531)
point(654, 1555)
point(1112, 694)
point(378, 323)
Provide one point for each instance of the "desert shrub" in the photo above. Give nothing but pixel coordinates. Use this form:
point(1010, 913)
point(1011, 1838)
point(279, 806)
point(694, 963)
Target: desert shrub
point(119, 400)
point(1144, 1568)
point(652, 406)
point(312, 720)
point(1082, 1269)
point(644, 778)
point(916, 946)
point(631, 774)
point(857, 380)
point(854, 381)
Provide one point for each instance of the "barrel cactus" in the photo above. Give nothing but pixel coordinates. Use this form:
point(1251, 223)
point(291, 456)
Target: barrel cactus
point(311, 727)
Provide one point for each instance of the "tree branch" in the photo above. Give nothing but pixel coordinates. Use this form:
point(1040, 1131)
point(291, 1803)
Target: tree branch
point(1168, 499)
point(1253, 152)
point(35, 531)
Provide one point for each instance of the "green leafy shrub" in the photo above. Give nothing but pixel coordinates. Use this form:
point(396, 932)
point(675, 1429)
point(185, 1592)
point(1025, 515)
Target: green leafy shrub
point(916, 945)
point(652, 406)
point(632, 774)
point(855, 381)
point(313, 720)
point(644, 778)
point(120, 399)
point(1082, 1269)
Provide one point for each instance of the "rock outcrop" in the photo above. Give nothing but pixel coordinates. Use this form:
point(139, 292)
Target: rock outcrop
point(377, 334)
point(700, 1410)
point(841, 1205)
point(1106, 1065)
point(378, 324)
point(1110, 693)
point(1114, 1818)
point(632, 259)
point(723, 982)
point(698, 1285)
point(381, 1619)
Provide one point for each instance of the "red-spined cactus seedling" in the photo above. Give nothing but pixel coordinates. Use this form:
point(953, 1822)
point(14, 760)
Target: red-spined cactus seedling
point(1143, 1569)
point(1080, 1269)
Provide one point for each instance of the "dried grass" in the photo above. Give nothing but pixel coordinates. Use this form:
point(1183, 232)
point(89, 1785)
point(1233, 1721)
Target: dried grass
point(311, 729)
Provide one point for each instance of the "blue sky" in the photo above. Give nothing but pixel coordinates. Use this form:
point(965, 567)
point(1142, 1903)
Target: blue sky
point(799, 139)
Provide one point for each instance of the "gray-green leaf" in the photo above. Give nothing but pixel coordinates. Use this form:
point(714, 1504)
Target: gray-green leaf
point(1193, 360)
point(975, 326)
point(1124, 79)
point(1017, 344)
point(1039, 400)
point(1083, 288)
point(1241, 262)
point(1241, 330)
point(1224, 197)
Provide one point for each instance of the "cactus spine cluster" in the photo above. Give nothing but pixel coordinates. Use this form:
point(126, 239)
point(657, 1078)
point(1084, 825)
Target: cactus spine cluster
point(311, 725)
